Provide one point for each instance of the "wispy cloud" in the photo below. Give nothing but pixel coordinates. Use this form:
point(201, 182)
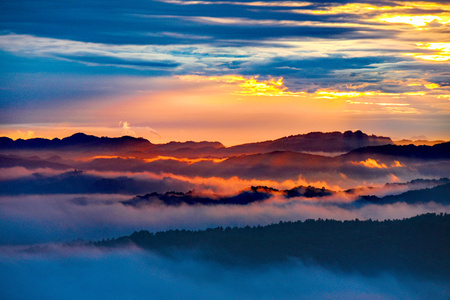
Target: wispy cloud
point(127, 128)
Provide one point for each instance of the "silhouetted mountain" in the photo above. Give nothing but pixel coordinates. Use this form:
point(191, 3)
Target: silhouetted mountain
point(421, 181)
point(439, 194)
point(78, 182)
point(438, 151)
point(399, 187)
point(416, 246)
point(77, 142)
point(254, 194)
point(278, 165)
point(174, 198)
point(9, 161)
point(419, 142)
point(313, 142)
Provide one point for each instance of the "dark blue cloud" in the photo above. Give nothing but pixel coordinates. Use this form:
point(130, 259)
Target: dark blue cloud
point(320, 66)
point(211, 39)
point(108, 60)
point(117, 22)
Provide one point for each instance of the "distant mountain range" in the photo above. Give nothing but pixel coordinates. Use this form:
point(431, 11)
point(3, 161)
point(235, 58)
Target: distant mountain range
point(311, 142)
point(76, 142)
point(249, 161)
point(253, 194)
point(418, 142)
point(439, 194)
point(365, 163)
point(314, 142)
point(438, 151)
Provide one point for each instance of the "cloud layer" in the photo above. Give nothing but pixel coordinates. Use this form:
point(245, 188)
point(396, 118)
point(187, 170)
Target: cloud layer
point(92, 274)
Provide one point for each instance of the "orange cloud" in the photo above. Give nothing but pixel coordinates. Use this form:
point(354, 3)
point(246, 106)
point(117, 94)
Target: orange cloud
point(397, 164)
point(185, 160)
point(416, 21)
point(394, 178)
point(249, 86)
point(442, 52)
point(219, 185)
point(370, 163)
point(397, 13)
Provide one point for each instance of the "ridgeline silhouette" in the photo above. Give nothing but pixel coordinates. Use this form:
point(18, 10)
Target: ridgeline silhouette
point(417, 246)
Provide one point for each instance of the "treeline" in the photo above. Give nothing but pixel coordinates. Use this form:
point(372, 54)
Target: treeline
point(416, 246)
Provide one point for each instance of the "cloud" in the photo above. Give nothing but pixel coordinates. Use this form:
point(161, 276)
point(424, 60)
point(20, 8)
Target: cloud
point(249, 86)
point(370, 163)
point(63, 217)
point(440, 52)
point(153, 131)
point(78, 182)
point(127, 128)
point(130, 273)
point(397, 164)
point(20, 172)
point(92, 53)
point(56, 55)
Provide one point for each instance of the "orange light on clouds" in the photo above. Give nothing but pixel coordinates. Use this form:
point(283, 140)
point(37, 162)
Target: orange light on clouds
point(249, 86)
point(432, 86)
point(341, 94)
point(416, 21)
point(235, 109)
point(351, 8)
point(442, 52)
point(185, 160)
point(397, 164)
point(370, 163)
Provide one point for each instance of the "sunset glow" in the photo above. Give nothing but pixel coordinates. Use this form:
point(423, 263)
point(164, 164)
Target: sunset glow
point(208, 74)
point(224, 149)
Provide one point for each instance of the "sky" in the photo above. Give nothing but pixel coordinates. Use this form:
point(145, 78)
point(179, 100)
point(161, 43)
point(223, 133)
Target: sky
point(231, 71)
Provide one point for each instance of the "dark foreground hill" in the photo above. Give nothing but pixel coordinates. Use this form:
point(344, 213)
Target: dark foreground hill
point(417, 246)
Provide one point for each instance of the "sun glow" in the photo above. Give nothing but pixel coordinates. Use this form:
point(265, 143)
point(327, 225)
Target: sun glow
point(416, 21)
point(340, 94)
point(249, 86)
point(391, 13)
point(442, 52)
point(272, 87)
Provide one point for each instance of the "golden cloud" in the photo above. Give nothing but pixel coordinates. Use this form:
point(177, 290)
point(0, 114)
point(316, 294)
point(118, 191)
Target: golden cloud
point(370, 163)
point(249, 86)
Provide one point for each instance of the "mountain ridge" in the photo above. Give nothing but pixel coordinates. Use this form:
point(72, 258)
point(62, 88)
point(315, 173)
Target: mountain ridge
point(363, 246)
point(314, 141)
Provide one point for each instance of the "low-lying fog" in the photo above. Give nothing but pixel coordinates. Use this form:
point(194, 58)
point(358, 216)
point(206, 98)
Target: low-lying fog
point(57, 272)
